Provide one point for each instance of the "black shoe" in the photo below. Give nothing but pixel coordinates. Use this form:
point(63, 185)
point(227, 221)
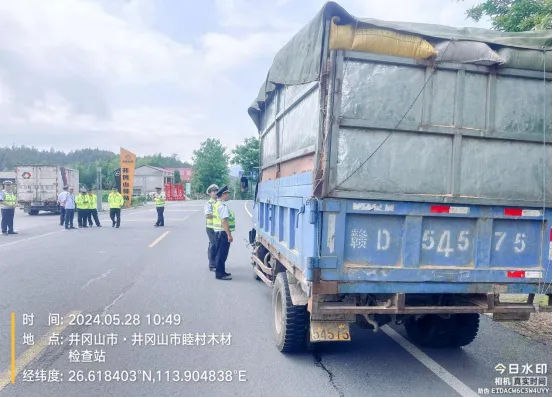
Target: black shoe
point(98, 226)
point(212, 269)
point(228, 274)
point(13, 233)
point(72, 227)
point(84, 226)
point(67, 228)
point(5, 233)
point(223, 278)
point(117, 226)
point(113, 225)
point(61, 225)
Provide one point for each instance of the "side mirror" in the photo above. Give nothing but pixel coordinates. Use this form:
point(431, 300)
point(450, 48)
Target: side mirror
point(252, 235)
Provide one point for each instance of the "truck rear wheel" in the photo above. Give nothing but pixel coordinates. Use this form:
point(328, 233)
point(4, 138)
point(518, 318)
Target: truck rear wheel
point(430, 331)
point(433, 331)
point(465, 329)
point(291, 321)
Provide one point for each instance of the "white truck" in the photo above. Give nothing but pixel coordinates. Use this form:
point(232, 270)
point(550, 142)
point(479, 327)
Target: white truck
point(38, 186)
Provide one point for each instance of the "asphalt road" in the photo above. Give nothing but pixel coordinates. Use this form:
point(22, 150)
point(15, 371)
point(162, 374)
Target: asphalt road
point(162, 272)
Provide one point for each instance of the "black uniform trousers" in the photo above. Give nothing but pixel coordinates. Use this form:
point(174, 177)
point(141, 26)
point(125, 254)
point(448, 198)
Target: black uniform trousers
point(160, 219)
point(62, 215)
point(69, 215)
point(7, 219)
point(113, 214)
point(223, 247)
point(82, 215)
point(93, 213)
point(212, 247)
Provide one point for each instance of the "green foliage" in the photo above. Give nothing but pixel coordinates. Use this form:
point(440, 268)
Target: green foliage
point(248, 195)
point(514, 15)
point(210, 165)
point(176, 176)
point(247, 154)
point(138, 200)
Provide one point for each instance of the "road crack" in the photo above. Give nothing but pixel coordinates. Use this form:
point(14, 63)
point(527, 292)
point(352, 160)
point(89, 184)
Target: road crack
point(319, 363)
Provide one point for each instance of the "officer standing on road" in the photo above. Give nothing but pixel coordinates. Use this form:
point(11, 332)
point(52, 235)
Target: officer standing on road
point(61, 200)
point(92, 210)
point(159, 198)
point(224, 224)
point(69, 205)
point(8, 201)
point(208, 211)
point(115, 201)
point(82, 208)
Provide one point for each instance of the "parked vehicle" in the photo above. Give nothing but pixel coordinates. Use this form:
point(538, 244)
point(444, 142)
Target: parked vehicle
point(38, 187)
point(407, 189)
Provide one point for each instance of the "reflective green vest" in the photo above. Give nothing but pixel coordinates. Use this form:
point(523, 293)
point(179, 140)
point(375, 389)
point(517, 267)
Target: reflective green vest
point(115, 200)
point(160, 202)
point(209, 221)
point(82, 201)
point(10, 199)
point(218, 222)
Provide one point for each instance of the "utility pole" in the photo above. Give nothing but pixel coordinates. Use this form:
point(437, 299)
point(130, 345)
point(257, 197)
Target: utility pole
point(99, 189)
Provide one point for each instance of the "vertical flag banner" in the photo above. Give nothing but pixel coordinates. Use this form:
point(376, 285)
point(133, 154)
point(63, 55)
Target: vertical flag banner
point(128, 162)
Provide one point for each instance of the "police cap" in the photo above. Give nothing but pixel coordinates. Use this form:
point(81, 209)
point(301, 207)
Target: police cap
point(221, 191)
point(212, 187)
point(7, 182)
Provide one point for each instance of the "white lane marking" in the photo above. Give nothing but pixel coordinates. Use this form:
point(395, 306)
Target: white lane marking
point(246, 207)
point(97, 278)
point(432, 365)
point(31, 238)
point(107, 307)
point(155, 242)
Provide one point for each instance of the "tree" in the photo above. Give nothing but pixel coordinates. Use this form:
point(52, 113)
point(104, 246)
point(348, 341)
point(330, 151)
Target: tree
point(176, 177)
point(514, 15)
point(247, 154)
point(210, 165)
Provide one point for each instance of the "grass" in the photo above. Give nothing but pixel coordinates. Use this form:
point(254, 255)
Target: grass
point(522, 298)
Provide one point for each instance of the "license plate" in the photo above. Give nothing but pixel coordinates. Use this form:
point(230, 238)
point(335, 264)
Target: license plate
point(36, 204)
point(330, 331)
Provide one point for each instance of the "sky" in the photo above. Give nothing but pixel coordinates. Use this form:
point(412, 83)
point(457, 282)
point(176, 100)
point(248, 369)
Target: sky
point(155, 75)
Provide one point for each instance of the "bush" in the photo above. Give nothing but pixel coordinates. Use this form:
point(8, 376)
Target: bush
point(139, 200)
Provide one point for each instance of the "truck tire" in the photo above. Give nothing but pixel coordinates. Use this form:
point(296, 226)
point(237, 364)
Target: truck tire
point(291, 321)
point(465, 329)
point(33, 212)
point(430, 331)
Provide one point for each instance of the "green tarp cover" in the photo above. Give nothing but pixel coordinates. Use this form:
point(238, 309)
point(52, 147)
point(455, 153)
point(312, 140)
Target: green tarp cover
point(299, 61)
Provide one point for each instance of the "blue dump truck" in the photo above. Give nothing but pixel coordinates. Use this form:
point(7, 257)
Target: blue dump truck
point(405, 178)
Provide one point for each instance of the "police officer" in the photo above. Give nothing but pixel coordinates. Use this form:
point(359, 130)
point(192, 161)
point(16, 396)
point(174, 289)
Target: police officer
point(92, 209)
point(116, 201)
point(208, 211)
point(82, 208)
point(159, 198)
point(8, 201)
point(224, 224)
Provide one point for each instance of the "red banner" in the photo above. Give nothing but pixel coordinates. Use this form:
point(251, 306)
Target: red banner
point(174, 192)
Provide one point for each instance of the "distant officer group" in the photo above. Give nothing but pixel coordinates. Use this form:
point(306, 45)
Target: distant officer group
point(85, 205)
point(220, 224)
